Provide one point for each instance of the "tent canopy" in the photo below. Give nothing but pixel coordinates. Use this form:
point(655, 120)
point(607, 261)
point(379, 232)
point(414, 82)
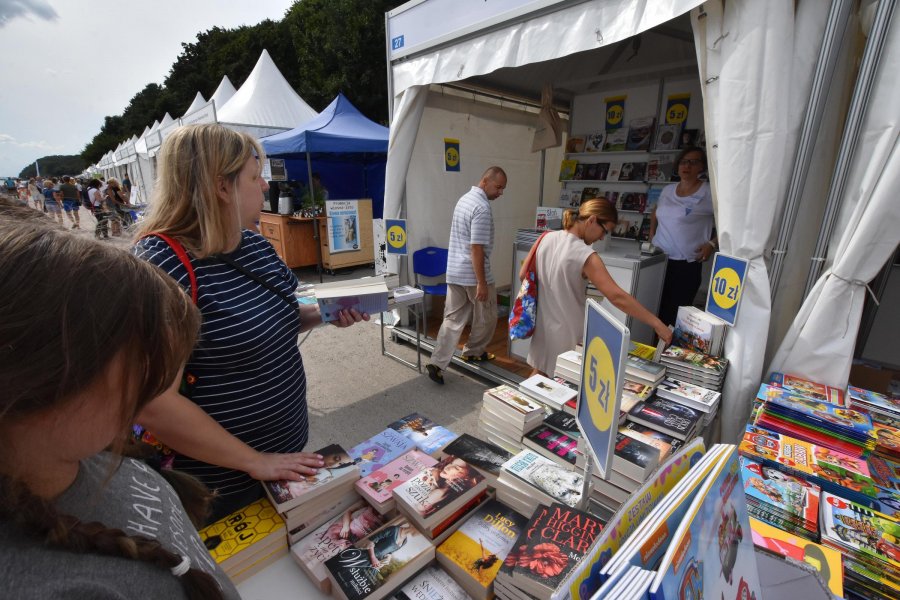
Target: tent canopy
point(339, 128)
point(223, 93)
point(198, 103)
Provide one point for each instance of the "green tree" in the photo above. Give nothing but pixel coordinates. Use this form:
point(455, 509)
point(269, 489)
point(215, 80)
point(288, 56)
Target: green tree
point(55, 166)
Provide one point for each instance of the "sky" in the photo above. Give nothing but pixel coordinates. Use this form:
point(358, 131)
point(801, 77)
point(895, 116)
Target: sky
point(66, 64)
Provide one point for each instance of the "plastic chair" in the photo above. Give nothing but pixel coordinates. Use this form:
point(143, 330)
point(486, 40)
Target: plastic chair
point(430, 262)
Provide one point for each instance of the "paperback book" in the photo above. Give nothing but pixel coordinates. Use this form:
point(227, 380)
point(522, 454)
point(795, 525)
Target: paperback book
point(552, 444)
point(792, 500)
point(559, 483)
point(634, 458)
point(640, 132)
point(594, 141)
point(567, 170)
point(366, 295)
point(704, 363)
point(564, 423)
point(667, 136)
point(693, 396)
point(486, 457)
point(428, 436)
point(379, 450)
point(615, 140)
point(633, 171)
point(245, 536)
point(437, 491)
point(548, 391)
point(667, 416)
point(339, 470)
point(432, 584)
point(377, 487)
point(697, 330)
point(866, 535)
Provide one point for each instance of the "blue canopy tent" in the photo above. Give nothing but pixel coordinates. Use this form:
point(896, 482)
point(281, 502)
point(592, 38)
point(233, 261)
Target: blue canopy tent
point(347, 149)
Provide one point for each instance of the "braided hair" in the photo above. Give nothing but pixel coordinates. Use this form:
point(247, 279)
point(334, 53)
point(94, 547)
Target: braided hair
point(57, 339)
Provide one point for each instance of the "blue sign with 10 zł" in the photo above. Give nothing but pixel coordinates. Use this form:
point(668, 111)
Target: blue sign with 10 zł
point(726, 286)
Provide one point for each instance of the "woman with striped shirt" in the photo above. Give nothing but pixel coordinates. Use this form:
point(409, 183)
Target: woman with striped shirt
point(246, 371)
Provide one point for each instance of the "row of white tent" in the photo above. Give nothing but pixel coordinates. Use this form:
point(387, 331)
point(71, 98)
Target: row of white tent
point(265, 104)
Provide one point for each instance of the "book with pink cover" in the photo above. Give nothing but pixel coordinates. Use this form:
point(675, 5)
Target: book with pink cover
point(378, 486)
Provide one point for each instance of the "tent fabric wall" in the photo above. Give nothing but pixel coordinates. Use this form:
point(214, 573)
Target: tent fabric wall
point(821, 341)
point(753, 111)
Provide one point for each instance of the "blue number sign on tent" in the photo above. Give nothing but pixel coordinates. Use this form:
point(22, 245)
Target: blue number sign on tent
point(395, 236)
point(726, 286)
point(602, 369)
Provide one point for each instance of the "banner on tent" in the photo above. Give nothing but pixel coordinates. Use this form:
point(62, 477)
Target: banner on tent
point(207, 114)
point(343, 225)
point(395, 235)
point(725, 287)
point(615, 111)
point(451, 155)
point(677, 108)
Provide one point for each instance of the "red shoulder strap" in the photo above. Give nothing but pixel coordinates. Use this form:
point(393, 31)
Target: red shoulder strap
point(182, 255)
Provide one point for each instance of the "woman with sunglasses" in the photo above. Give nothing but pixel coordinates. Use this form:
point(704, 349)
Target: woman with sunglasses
point(682, 227)
point(564, 260)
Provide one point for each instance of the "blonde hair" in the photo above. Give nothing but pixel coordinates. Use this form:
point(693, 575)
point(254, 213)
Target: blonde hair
point(598, 207)
point(185, 204)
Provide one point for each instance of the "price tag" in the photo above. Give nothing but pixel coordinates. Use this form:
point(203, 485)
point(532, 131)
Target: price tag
point(606, 342)
point(395, 235)
point(726, 285)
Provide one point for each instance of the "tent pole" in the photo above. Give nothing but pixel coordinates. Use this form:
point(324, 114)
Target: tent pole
point(312, 196)
point(838, 17)
point(543, 163)
point(852, 130)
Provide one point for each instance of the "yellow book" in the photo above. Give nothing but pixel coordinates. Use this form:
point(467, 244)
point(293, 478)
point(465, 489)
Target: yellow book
point(242, 535)
point(642, 350)
point(567, 170)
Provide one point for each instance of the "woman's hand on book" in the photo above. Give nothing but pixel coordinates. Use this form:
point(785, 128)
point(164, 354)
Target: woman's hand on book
point(293, 467)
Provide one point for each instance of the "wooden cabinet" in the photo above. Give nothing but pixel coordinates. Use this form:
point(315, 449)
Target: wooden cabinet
point(292, 239)
point(366, 253)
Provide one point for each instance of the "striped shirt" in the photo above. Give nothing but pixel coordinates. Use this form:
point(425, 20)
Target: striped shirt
point(473, 223)
point(248, 369)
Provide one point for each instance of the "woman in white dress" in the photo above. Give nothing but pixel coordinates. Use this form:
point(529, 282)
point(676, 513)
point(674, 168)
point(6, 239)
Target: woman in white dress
point(564, 260)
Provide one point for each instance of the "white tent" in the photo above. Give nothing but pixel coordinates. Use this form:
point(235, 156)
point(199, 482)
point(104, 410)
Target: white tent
point(198, 103)
point(266, 103)
point(223, 93)
point(753, 60)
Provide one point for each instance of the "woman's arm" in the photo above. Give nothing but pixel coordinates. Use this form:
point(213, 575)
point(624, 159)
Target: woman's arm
point(653, 224)
point(186, 428)
point(596, 272)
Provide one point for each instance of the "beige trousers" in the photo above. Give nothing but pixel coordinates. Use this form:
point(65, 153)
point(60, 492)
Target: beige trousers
point(458, 309)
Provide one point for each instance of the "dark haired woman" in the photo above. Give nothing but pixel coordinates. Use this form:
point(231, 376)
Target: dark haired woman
point(564, 260)
point(682, 227)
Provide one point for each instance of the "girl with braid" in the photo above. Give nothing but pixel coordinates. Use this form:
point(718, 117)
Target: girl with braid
point(89, 335)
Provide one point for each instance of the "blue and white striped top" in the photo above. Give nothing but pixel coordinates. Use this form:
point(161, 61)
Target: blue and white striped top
point(473, 223)
point(248, 369)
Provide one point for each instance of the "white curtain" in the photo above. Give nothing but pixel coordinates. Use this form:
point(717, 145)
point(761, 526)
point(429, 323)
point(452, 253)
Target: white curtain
point(754, 61)
point(820, 343)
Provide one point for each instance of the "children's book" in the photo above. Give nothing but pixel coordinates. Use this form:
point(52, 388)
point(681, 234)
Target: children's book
point(567, 170)
point(711, 553)
point(339, 469)
point(366, 295)
point(866, 535)
point(874, 402)
point(808, 389)
point(791, 498)
point(379, 450)
point(377, 487)
point(428, 436)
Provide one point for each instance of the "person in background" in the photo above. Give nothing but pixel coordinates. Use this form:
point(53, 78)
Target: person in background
point(99, 208)
point(118, 201)
point(71, 201)
point(34, 194)
point(682, 227)
point(126, 187)
point(77, 520)
point(565, 259)
point(246, 372)
point(470, 283)
point(52, 201)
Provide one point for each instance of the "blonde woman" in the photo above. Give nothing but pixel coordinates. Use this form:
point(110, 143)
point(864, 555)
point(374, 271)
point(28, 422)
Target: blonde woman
point(246, 371)
point(565, 260)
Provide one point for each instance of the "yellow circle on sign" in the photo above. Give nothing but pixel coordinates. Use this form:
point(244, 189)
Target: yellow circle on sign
point(599, 384)
point(677, 113)
point(452, 157)
point(614, 114)
point(726, 287)
point(396, 237)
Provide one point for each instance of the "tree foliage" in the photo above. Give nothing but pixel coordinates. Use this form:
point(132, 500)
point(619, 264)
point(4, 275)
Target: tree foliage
point(322, 47)
point(55, 166)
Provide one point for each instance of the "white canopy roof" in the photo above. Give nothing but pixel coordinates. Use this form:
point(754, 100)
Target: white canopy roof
point(166, 120)
point(266, 101)
point(197, 104)
point(223, 93)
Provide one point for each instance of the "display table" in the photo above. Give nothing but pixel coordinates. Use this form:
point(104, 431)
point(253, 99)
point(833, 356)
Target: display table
point(282, 579)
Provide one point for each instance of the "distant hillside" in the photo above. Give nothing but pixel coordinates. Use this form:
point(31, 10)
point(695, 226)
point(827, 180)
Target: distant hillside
point(54, 166)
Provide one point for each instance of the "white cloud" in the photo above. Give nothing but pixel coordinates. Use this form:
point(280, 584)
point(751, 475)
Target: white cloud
point(10, 9)
point(40, 144)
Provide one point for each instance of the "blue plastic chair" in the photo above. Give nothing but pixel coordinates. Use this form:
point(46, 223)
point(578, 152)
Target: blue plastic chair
point(430, 262)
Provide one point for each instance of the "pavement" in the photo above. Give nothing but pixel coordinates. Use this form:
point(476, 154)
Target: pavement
point(353, 392)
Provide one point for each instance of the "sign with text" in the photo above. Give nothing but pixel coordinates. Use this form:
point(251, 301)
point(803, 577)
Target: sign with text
point(395, 236)
point(726, 285)
point(606, 342)
point(343, 225)
point(451, 155)
point(677, 108)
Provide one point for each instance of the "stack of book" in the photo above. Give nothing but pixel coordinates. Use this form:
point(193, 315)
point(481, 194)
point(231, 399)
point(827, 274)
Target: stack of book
point(644, 371)
point(379, 450)
point(428, 436)
point(693, 396)
point(246, 541)
point(552, 543)
point(695, 367)
point(668, 417)
point(315, 496)
point(381, 565)
point(666, 444)
point(780, 499)
point(340, 533)
point(432, 584)
point(548, 392)
point(557, 439)
point(486, 457)
point(808, 389)
point(869, 542)
point(698, 330)
point(474, 553)
point(528, 479)
point(440, 496)
point(877, 405)
point(568, 366)
point(507, 415)
point(378, 487)
point(634, 459)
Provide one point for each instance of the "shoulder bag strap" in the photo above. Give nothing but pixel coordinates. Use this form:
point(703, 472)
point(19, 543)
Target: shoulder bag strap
point(290, 300)
point(182, 255)
point(533, 265)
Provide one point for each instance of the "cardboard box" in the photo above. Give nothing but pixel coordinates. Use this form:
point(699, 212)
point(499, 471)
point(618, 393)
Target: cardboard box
point(871, 378)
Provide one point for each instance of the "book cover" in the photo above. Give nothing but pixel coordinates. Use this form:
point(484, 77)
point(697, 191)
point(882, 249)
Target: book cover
point(628, 227)
point(578, 175)
point(563, 423)
point(575, 144)
point(256, 524)
point(567, 170)
point(640, 350)
point(378, 485)
point(518, 402)
point(633, 171)
point(859, 530)
point(667, 137)
point(548, 391)
point(792, 496)
point(570, 198)
point(808, 389)
point(694, 396)
point(633, 458)
point(643, 368)
point(551, 544)
point(669, 417)
point(432, 584)
point(712, 551)
point(635, 201)
point(688, 138)
point(548, 441)
point(664, 444)
point(379, 450)
point(696, 331)
point(437, 486)
point(615, 168)
point(640, 131)
point(380, 560)
point(487, 457)
point(873, 401)
point(366, 295)
point(594, 141)
point(711, 364)
point(561, 484)
point(479, 547)
point(589, 193)
point(653, 195)
point(615, 140)
point(287, 494)
point(428, 436)
point(611, 196)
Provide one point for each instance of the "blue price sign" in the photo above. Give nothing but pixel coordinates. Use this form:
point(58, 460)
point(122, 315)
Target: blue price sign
point(726, 286)
point(395, 235)
point(606, 342)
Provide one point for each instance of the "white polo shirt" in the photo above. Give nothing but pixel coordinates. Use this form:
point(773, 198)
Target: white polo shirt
point(683, 222)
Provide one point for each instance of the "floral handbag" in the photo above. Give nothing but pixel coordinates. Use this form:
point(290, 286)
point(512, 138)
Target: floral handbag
point(523, 315)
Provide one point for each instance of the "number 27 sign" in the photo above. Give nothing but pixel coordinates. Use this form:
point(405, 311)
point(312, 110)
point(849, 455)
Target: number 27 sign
point(726, 286)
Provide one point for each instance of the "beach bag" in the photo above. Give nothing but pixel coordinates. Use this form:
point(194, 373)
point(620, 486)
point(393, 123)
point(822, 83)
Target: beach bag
point(523, 315)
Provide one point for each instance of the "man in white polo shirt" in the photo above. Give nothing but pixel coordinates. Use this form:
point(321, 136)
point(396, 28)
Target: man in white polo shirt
point(470, 283)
